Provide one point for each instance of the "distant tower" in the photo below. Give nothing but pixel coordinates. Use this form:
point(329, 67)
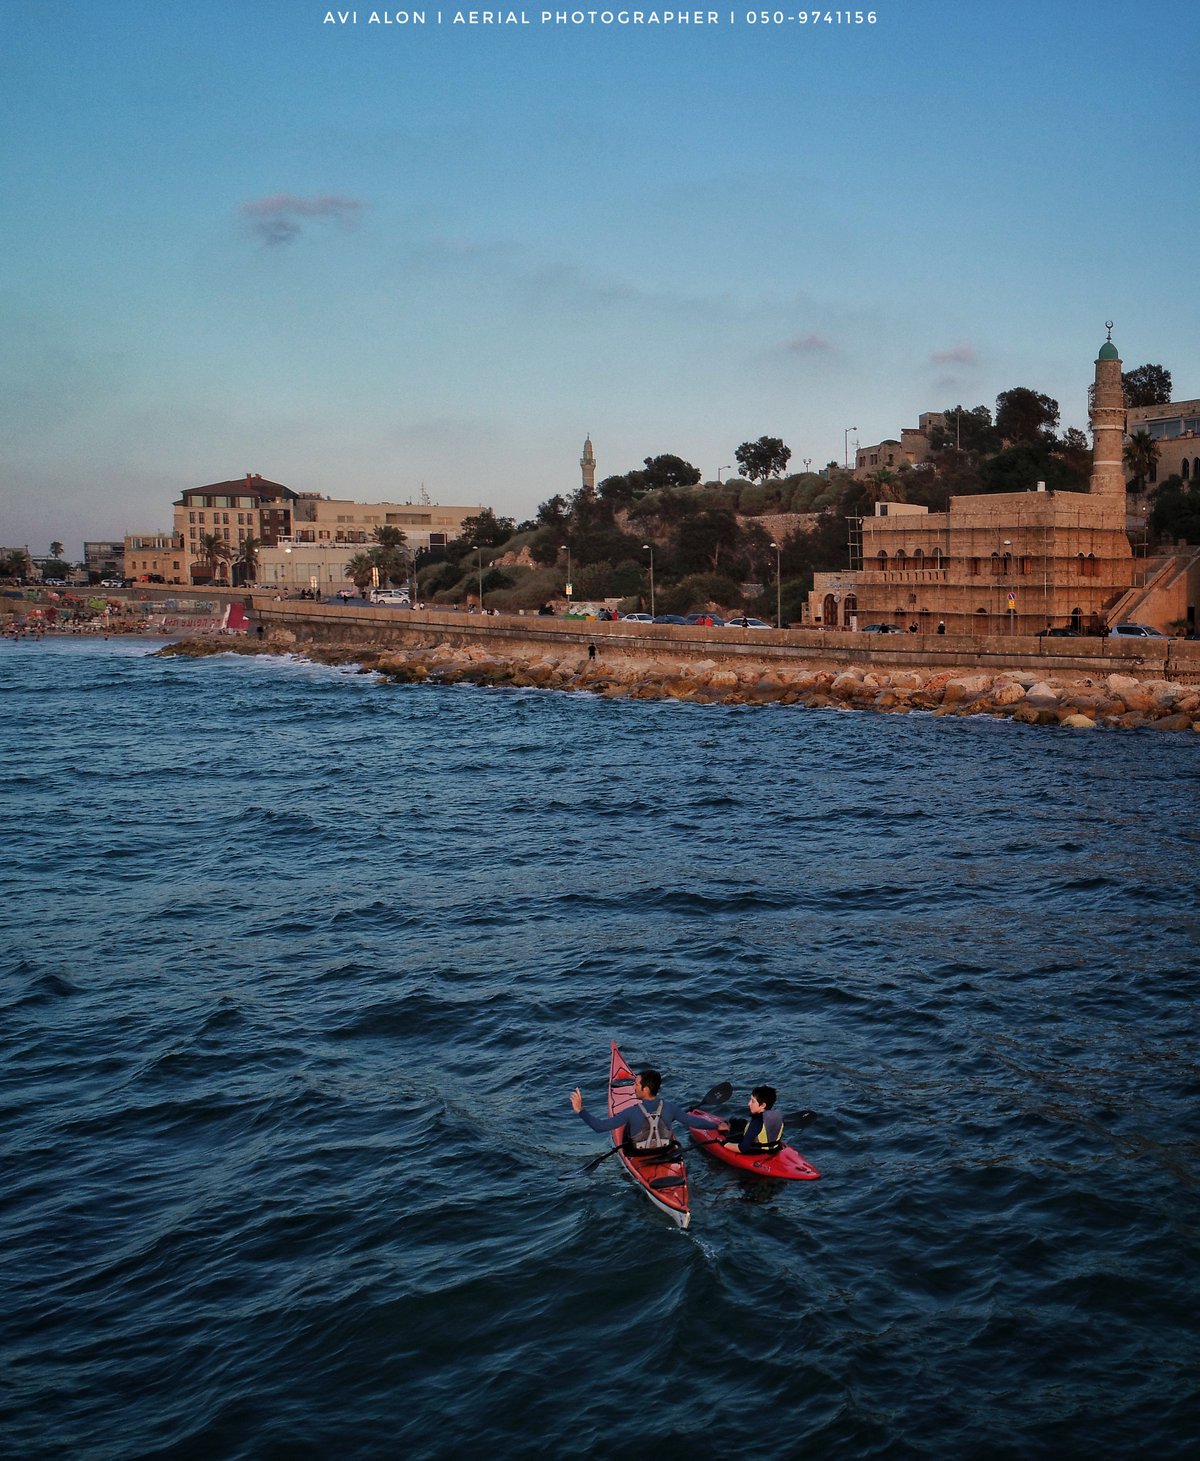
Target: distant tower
point(1108, 423)
point(588, 462)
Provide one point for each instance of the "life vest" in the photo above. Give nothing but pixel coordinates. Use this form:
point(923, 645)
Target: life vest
point(761, 1139)
point(658, 1133)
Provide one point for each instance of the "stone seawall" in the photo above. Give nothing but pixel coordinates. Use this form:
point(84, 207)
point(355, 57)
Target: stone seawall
point(527, 638)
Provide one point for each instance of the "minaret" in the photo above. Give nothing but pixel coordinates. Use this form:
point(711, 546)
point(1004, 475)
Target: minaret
point(588, 462)
point(1108, 423)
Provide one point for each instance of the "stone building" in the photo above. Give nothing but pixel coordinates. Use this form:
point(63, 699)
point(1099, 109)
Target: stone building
point(246, 507)
point(1002, 563)
point(1175, 429)
point(587, 463)
point(155, 558)
point(911, 450)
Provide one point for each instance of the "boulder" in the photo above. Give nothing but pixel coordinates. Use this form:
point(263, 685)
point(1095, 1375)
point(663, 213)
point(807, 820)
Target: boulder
point(1042, 696)
point(1172, 722)
point(1078, 722)
point(1008, 693)
point(965, 687)
point(906, 680)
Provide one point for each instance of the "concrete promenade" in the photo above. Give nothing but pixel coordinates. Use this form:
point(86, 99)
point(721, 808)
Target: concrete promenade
point(524, 638)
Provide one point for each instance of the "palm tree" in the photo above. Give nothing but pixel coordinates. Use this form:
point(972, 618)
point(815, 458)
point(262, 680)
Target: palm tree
point(1141, 454)
point(56, 550)
point(15, 563)
point(390, 554)
point(214, 550)
point(885, 486)
point(247, 559)
point(359, 570)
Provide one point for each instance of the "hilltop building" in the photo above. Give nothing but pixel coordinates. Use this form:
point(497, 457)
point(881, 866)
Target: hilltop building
point(1003, 563)
point(911, 450)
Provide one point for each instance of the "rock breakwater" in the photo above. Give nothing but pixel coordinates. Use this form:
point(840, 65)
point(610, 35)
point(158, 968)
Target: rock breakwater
point(1111, 701)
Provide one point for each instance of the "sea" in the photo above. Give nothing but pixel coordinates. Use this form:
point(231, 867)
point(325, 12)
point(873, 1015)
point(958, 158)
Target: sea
point(300, 969)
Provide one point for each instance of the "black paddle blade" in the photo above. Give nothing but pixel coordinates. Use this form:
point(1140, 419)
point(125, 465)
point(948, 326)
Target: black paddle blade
point(717, 1096)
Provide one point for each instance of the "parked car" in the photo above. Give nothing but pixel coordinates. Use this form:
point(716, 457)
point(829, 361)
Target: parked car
point(744, 622)
point(391, 597)
point(637, 618)
point(881, 629)
point(709, 621)
point(1059, 633)
point(669, 619)
point(112, 583)
point(1135, 631)
point(55, 582)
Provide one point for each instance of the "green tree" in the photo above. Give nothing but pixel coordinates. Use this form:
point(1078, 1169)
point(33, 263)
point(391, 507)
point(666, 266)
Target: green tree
point(669, 471)
point(967, 429)
point(247, 559)
point(884, 485)
point(56, 550)
point(1176, 512)
point(485, 530)
point(553, 512)
point(1025, 416)
point(1140, 454)
point(1148, 385)
point(358, 570)
point(766, 457)
point(1020, 468)
point(702, 539)
point(214, 551)
point(14, 563)
point(390, 554)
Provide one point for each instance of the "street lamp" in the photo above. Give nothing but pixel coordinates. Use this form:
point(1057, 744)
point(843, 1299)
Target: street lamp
point(807, 463)
point(566, 548)
point(720, 470)
point(846, 444)
point(778, 588)
point(1012, 597)
point(480, 552)
point(649, 548)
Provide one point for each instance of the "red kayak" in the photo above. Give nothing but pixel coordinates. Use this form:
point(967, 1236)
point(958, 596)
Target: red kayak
point(786, 1163)
point(663, 1182)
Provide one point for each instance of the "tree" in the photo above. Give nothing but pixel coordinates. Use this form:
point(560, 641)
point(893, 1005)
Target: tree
point(247, 559)
point(553, 512)
point(1025, 416)
point(485, 530)
point(358, 570)
point(14, 563)
point(1176, 511)
point(967, 429)
point(1148, 385)
point(56, 550)
point(766, 457)
point(1141, 453)
point(669, 471)
point(885, 486)
point(214, 550)
point(390, 554)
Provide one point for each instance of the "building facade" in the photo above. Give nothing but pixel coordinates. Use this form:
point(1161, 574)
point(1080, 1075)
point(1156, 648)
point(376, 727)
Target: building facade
point(320, 520)
point(247, 507)
point(1001, 563)
point(155, 557)
point(104, 559)
point(911, 450)
point(1175, 430)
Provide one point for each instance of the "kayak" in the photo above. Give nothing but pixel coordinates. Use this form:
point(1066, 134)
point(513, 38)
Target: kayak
point(786, 1163)
point(663, 1182)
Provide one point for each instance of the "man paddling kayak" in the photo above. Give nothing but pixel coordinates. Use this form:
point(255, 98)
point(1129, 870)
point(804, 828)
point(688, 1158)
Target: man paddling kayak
point(648, 1119)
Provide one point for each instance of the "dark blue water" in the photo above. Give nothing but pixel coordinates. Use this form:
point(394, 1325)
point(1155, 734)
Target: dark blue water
point(299, 970)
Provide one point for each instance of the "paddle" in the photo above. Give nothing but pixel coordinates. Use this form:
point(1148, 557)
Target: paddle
point(715, 1096)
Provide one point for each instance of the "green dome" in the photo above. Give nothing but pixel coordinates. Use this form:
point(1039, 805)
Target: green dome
point(1108, 351)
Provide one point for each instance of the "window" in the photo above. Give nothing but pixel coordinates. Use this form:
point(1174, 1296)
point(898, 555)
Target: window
point(881, 561)
point(1091, 566)
point(938, 559)
point(1185, 469)
point(1023, 564)
point(997, 568)
point(973, 565)
point(919, 558)
point(1079, 564)
point(901, 558)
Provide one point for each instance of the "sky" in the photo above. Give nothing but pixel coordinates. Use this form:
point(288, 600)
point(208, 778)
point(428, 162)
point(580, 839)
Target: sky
point(371, 260)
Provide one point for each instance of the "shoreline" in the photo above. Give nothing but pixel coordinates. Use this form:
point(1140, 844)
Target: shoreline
point(1111, 701)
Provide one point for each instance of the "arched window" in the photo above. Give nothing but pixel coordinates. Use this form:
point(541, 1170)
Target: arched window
point(881, 561)
point(1077, 620)
point(1185, 469)
point(997, 568)
point(850, 606)
point(1092, 567)
point(829, 611)
point(901, 559)
point(1080, 564)
point(938, 559)
point(918, 558)
point(1196, 467)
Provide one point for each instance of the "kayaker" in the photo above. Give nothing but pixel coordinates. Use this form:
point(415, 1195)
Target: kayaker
point(763, 1130)
point(648, 1120)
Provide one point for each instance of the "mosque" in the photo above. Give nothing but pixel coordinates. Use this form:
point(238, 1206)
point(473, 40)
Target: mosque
point(1010, 562)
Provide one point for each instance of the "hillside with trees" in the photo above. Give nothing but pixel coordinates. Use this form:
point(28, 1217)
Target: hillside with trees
point(720, 544)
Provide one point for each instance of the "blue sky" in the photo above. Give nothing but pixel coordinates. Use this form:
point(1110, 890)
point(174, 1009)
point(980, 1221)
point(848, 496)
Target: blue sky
point(361, 259)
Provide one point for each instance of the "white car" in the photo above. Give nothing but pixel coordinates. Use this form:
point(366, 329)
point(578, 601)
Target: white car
point(392, 597)
point(637, 619)
point(1134, 631)
point(744, 622)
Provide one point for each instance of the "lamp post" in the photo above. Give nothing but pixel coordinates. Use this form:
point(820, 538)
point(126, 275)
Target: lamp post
point(778, 588)
point(1012, 598)
point(846, 444)
point(720, 470)
point(649, 548)
point(566, 548)
point(480, 552)
point(807, 463)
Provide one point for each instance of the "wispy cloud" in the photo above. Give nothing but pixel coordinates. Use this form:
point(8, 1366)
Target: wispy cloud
point(959, 355)
point(280, 219)
point(808, 345)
